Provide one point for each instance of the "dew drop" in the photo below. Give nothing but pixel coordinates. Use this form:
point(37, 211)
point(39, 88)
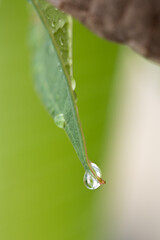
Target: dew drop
point(59, 120)
point(61, 41)
point(70, 61)
point(89, 180)
point(61, 23)
point(73, 83)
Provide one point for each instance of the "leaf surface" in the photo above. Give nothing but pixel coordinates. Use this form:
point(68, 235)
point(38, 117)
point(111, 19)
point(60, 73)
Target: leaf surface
point(53, 64)
point(53, 69)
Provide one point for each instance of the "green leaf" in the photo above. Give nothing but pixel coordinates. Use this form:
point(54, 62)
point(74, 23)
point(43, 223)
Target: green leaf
point(53, 70)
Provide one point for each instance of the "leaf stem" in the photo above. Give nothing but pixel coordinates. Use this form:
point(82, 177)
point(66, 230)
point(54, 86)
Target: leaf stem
point(100, 180)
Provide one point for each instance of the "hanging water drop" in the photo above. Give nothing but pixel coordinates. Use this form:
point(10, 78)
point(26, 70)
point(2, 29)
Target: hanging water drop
point(89, 180)
point(73, 83)
point(59, 120)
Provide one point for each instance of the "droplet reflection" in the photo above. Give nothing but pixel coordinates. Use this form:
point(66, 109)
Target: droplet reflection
point(89, 180)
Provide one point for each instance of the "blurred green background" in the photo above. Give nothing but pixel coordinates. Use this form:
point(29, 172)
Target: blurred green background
point(42, 196)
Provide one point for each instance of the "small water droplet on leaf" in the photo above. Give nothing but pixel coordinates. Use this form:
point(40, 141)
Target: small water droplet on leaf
point(61, 41)
point(73, 83)
point(61, 22)
point(89, 180)
point(59, 120)
point(70, 61)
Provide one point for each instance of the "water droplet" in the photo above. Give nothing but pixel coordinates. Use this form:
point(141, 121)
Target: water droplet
point(61, 23)
point(70, 61)
point(89, 180)
point(61, 41)
point(73, 83)
point(59, 120)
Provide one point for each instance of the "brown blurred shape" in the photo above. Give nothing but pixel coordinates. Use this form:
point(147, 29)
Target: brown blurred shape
point(132, 22)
